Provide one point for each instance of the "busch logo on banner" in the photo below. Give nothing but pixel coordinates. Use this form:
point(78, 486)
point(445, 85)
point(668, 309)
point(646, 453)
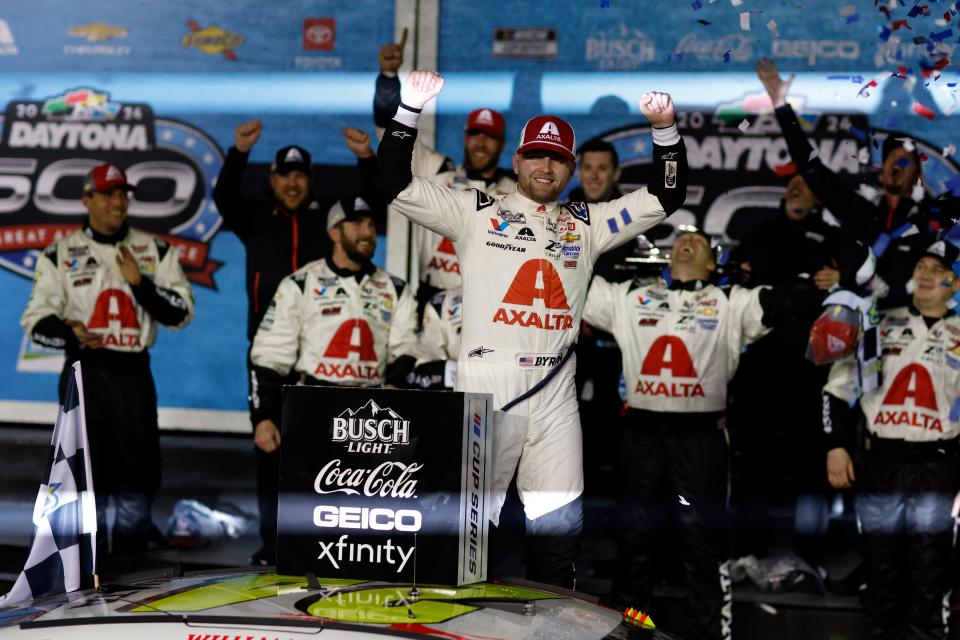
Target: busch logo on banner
point(371, 429)
point(63, 551)
point(49, 145)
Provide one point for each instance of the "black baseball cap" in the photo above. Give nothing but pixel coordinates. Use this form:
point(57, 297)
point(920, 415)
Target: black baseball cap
point(348, 209)
point(944, 251)
point(292, 158)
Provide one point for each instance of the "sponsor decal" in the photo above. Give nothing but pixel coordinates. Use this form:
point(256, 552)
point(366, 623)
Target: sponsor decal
point(505, 246)
point(386, 552)
point(8, 46)
point(114, 318)
point(709, 324)
point(48, 145)
point(552, 250)
point(648, 322)
point(476, 489)
point(370, 429)
point(570, 251)
point(479, 352)
point(483, 200)
point(96, 35)
point(913, 383)
point(810, 50)
point(527, 43)
point(377, 519)
point(734, 47)
point(509, 216)
point(670, 174)
point(526, 235)
point(670, 390)
point(319, 34)
point(569, 237)
point(498, 226)
point(619, 48)
point(538, 359)
point(569, 264)
point(389, 479)
point(578, 210)
point(212, 40)
point(536, 279)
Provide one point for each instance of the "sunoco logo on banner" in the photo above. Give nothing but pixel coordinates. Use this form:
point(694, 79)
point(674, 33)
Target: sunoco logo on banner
point(49, 145)
point(371, 429)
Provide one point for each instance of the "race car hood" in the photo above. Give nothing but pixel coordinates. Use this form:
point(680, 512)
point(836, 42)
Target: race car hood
point(266, 606)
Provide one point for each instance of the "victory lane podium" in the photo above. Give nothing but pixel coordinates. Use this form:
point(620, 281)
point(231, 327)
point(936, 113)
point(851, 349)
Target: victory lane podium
point(384, 484)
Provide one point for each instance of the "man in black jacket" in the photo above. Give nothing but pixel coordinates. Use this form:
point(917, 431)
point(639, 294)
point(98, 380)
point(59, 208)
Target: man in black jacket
point(282, 232)
point(897, 222)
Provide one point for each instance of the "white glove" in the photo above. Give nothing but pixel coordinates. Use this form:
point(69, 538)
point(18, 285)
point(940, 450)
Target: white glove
point(419, 87)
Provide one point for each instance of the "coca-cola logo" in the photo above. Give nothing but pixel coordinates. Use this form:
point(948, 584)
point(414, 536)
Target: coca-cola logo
point(386, 480)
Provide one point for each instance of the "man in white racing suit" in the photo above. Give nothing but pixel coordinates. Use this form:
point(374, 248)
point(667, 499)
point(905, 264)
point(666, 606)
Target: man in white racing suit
point(526, 267)
point(100, 293)
point(339, 320)
point(483, 141)
point(906, 475)
point(681, 339)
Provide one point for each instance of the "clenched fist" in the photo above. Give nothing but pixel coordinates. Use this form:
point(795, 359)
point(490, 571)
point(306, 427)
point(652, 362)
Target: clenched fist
point(246, 135)
point(420, 87)
point(391, 55)
point(358, 141)
point(658, 108)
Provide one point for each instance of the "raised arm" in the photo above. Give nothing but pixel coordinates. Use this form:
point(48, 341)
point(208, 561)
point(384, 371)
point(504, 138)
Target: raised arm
point(623, 219)
point(227, 193)
point(842, 201)
point(437, 208)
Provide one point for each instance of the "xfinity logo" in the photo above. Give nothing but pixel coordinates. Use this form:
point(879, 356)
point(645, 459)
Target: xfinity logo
point(343, 551)
point(371, 429)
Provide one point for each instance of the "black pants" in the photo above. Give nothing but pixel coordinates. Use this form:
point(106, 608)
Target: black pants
point(121, 411)
point(673, 467)
point(904, 497)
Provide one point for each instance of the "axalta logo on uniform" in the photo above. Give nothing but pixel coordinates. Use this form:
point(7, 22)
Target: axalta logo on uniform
point(114, 317)
point(536, 279)
point(913, 381)
point(439, 263)
point(353, 336)
point(669, 352)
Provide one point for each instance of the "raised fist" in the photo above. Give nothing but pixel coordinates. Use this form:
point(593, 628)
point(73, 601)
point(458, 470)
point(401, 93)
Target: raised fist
point(246, 135)
point(658, 108)
point(358, 141)
point(391, 55)
point(420, 87)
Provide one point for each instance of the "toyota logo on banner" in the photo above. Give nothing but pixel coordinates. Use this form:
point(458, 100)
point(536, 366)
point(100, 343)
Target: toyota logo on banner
point(48, 146)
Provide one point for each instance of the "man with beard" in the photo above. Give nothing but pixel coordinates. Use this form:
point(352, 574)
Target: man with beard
point(310, 332)
point(483, 139)
point(906, 475)
point(897, 221)
point(281, 232)
point(526, 266)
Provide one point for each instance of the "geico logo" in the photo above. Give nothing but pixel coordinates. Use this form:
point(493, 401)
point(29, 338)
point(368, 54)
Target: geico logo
point(365, 518)
point(86, 135)
point(15, 182)
point(813, 49)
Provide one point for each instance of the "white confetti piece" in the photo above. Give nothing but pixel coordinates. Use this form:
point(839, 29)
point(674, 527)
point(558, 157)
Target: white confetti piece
point(848, 10)
point(767, 608)
point(814, 154)
point(743, 126)
point(863, 156)
point(736, 3)
point(949, 150)
point(772, 26)
point(907, 144)
point(745, 20)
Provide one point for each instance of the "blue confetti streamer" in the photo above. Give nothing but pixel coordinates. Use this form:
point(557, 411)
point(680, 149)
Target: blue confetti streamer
point(885, 34)
point(697, 5)
point(604, 4)
point(726, 55)
point(853, 18)
point(943, 35)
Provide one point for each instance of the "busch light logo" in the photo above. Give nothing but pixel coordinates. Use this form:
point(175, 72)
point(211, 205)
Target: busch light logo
point(371, 429)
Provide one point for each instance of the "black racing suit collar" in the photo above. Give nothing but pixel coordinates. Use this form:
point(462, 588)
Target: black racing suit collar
point(689, 285)
point(105, 238)
point(366, 269)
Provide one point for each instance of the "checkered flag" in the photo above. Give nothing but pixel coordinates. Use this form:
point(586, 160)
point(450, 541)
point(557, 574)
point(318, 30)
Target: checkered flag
point(63, 551)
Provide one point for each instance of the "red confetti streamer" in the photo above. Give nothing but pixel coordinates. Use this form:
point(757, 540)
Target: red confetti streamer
point(784, 170)
point(923, 111)
point(900, 23)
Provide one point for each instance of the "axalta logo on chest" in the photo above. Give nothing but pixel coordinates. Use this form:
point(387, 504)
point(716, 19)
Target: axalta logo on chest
point(536, 279)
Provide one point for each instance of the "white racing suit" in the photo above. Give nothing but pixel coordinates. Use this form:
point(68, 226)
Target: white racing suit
point(440, 341)
point(526, 268)
point(681, 346)
point(332, 327)
point(906, 475)
point(77, 279)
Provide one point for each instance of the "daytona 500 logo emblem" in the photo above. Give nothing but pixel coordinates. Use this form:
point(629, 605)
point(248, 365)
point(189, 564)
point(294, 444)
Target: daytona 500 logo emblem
point(49, 145)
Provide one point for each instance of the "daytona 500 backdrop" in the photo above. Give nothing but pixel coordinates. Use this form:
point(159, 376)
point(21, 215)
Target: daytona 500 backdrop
point(159, 88)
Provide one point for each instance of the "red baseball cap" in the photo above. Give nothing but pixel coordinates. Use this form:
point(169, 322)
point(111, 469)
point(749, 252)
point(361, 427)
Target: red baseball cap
point(105, 177)
point(549, 133)
point(488, 121)
point(833, 336)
